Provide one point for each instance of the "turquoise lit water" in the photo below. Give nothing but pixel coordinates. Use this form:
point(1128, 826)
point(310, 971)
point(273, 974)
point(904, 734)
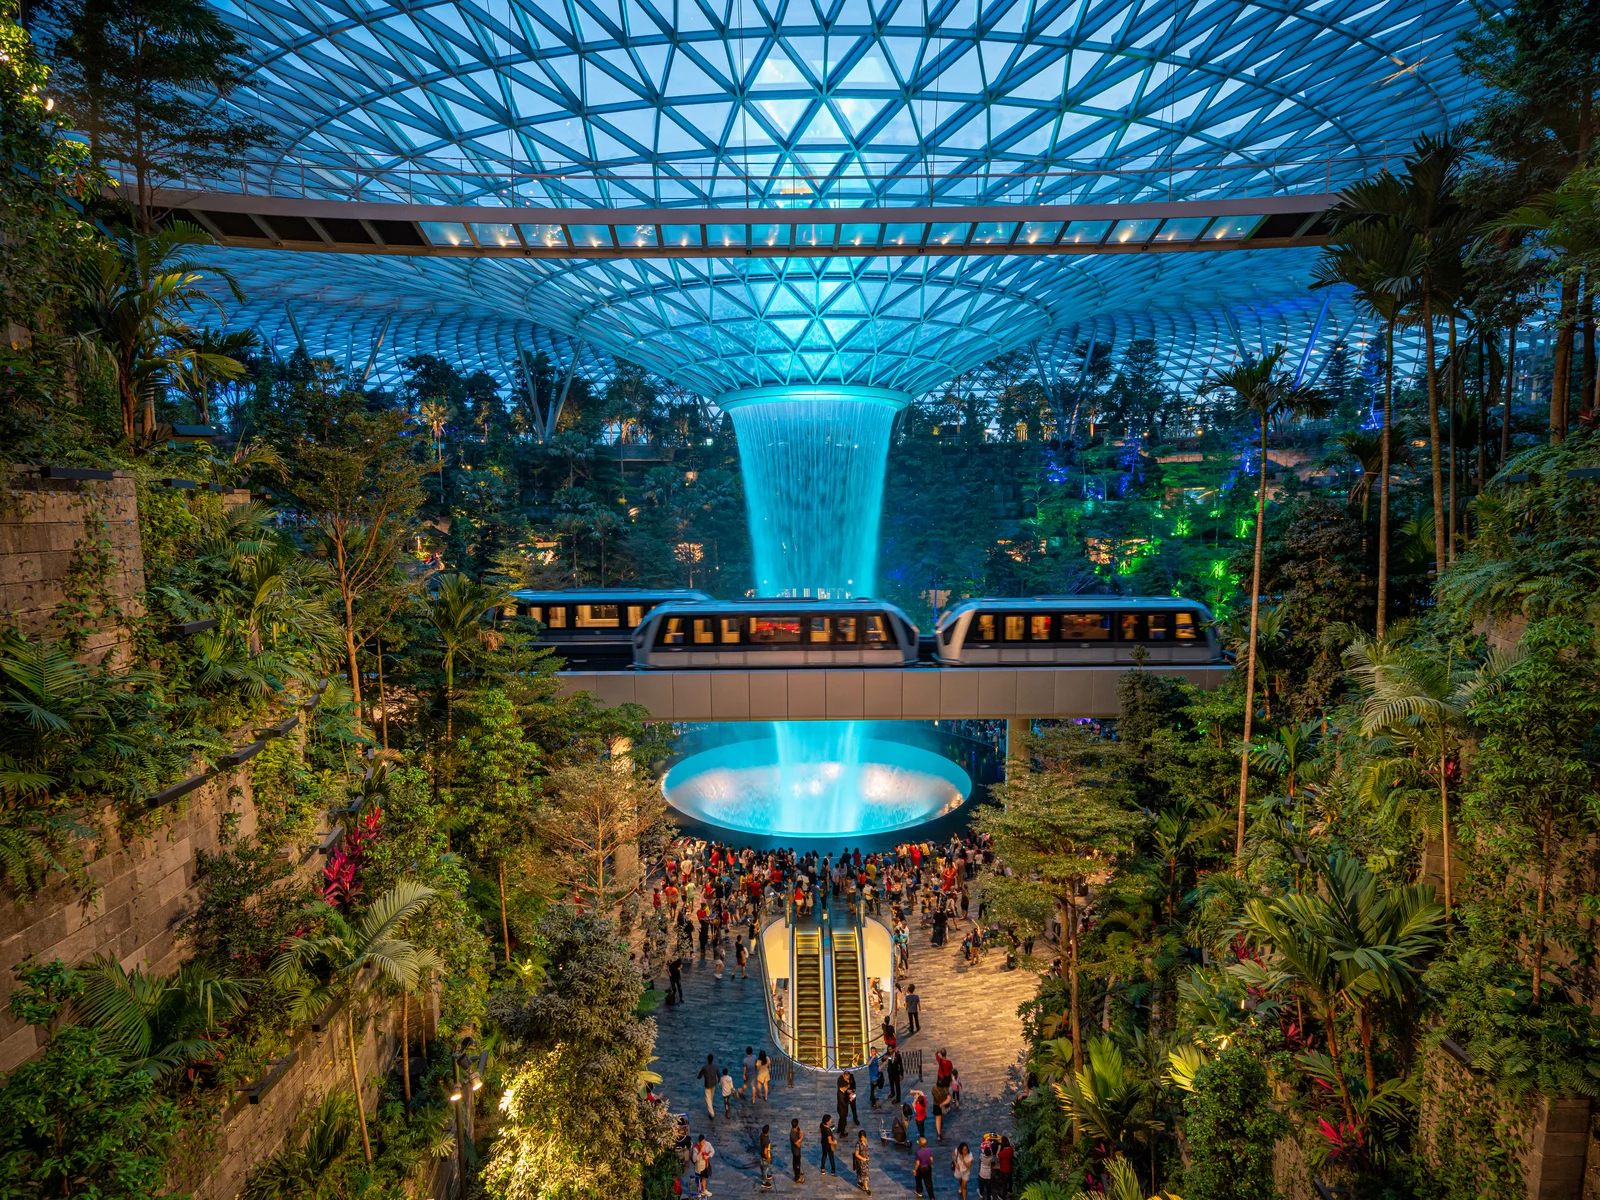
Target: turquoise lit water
point(813, 460)
point(816, 778)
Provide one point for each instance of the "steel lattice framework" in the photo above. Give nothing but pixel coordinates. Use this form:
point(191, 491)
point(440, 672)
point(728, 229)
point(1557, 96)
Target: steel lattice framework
point(628, 103)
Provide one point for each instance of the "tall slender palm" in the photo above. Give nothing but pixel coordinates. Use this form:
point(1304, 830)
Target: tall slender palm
point(217, 361)
point(1416, 696)
point(1564, 222)
point(1382, 261)
point(1424, 200)
point(1262, 388)
point(456, 609)
point(350, 956)
point(135, 292)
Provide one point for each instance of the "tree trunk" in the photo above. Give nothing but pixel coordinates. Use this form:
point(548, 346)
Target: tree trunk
point(1510, 394)
point(1072, 980)
point(405, 1047)
point(1444, 824)
point(355, 1076)
point(1455, 407)
point(1338, 1067)
point(1383, 482)
point(1561, 372)
point(1250, 670)
point(1544, 893)
point(383, 699)
point(1366, 1046)
point(1433, 433)
point(1487, 382)
point(505, 928)
point(449, 696)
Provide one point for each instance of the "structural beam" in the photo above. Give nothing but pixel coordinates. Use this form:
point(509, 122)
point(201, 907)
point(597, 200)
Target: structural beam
point(475, 231)
point(912, 694)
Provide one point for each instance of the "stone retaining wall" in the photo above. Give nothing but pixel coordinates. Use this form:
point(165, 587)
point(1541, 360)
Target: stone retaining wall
point(144, 888)
point(51, 533)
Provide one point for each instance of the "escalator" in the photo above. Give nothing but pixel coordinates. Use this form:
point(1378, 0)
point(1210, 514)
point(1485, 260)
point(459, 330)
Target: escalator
point(849, 1016)
point(810, 1036)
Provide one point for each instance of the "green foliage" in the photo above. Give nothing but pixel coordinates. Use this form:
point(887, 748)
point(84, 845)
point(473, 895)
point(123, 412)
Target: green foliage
point(576, 1123)
point(1231, 1128)
point(154, 1023)
point(75, 1120)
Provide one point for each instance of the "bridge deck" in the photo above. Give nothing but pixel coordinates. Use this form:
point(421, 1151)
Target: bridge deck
point(911, 694)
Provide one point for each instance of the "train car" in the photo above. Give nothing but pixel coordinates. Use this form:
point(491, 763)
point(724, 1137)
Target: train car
point(776, 633)
point(1075, 631)
point(595, 618)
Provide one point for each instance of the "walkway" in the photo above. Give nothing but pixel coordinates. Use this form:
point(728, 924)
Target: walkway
point(970, 1012)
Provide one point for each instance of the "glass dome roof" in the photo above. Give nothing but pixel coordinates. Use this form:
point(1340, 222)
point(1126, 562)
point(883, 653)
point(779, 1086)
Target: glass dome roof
point(625, 103)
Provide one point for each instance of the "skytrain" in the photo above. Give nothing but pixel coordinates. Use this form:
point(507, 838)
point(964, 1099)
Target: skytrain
point(589, 620)
point(775, 633)
point(1075, 631)
point(666, 629)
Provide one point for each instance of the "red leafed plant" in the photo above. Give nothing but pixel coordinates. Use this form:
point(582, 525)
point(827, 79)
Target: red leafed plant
point(1343, 1139)
point(341, 878)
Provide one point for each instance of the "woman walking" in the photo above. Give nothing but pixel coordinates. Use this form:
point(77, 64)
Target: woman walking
point(961, 1168)
point(859, 1161)
point(763, 1074)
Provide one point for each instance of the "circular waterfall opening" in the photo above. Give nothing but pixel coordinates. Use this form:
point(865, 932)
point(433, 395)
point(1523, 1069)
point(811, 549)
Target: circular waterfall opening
point(827, 788)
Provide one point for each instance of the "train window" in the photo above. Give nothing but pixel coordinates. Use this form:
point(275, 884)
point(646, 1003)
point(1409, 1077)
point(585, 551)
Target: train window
point(558, 616)
point(986, 627)
point(1133, 627)
point(1014, 624)
point(877, 633)
point(820, 631)
point(705, 630)
point(672, 630)
point(1188, 627)
point(1160, 627)
point(1039, 627)
point(598, 616)
point(731, 630)
point(844, 631)
point(1085, 627)
point(772, 631)
point(635, 615)
point(536, 613)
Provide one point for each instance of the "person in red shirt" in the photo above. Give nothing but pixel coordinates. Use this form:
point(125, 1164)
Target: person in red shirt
point(1002, 1165)
point(655, 899)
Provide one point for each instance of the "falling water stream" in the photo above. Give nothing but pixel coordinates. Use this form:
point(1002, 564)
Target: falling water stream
point(813, 460)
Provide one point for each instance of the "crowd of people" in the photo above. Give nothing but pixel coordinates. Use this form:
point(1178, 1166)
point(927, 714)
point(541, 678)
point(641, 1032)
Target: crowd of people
point(711, 898)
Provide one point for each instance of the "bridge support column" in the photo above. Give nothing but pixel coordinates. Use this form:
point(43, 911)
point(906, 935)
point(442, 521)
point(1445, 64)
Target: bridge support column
point(1018, 730)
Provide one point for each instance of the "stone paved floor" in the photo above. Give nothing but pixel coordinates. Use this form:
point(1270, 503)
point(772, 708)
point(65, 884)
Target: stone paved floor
point(970, 1012)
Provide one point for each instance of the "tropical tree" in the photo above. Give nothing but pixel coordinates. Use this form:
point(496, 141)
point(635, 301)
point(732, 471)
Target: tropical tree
point(156, 1023)
point(1261, 387)
point(1416, 699)
point(136, 291)
point(1350, 943)
point(348, 957)
point(1383, 262)
point(1103, 1096)
point(456, 608)
point(591, 824)
point(1424, 200)
point(1055, 829)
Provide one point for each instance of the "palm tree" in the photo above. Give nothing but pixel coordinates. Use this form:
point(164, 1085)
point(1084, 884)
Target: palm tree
point(1424, 201)
point(1565, 222)
point(456, 609)
point(1262, 388)
point(214, 350)
point(135, 292)
point(1103, 1096)
point(1382, 261)
point(336, 962)
point(156, 1023)
point(437, 415)
point(1416, 697)
point(426, 961)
